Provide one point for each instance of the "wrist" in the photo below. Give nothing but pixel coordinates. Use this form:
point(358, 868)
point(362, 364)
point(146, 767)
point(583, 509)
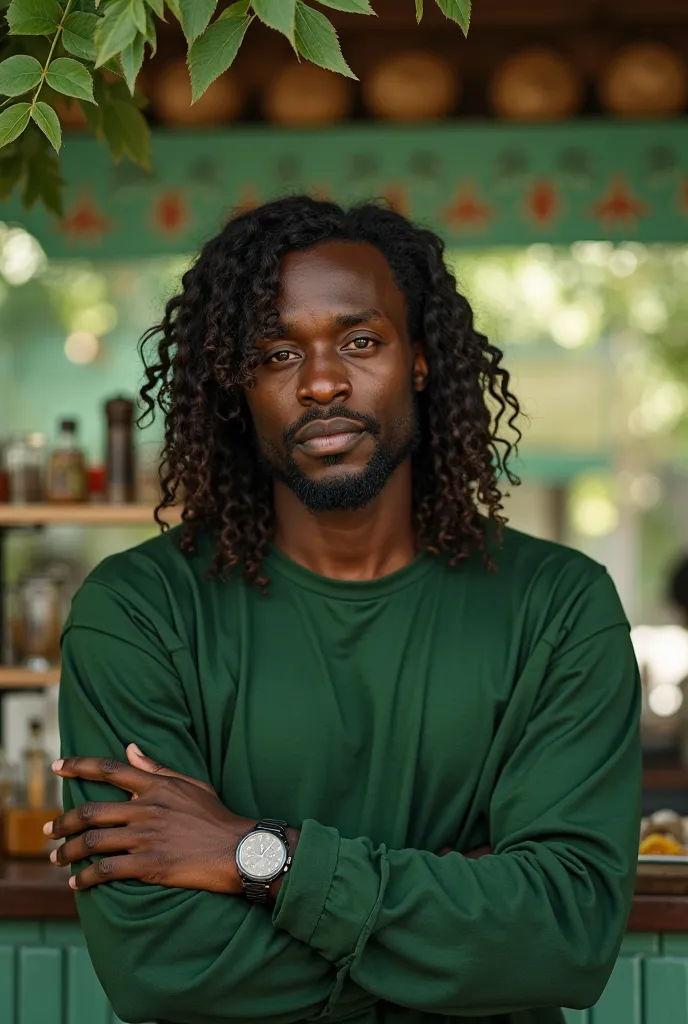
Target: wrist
point(293, 836)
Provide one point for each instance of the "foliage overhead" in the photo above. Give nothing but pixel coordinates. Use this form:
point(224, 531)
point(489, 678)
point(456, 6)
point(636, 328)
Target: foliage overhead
point(91, 51)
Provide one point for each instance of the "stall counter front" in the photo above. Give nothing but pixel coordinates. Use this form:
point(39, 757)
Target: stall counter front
point(46, 976)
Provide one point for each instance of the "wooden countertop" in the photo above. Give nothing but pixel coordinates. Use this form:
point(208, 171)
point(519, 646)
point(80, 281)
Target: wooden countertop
point(37, 889)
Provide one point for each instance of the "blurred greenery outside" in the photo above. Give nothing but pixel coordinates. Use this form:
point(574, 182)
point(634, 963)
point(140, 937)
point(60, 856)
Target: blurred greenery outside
point(594, 335)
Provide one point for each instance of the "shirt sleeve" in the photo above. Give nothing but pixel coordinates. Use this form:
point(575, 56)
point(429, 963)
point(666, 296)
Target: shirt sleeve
point(160, 953)
point(539, 922)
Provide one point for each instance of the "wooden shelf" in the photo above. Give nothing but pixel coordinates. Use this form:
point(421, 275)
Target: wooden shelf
point(18, 678)
point(83, 515)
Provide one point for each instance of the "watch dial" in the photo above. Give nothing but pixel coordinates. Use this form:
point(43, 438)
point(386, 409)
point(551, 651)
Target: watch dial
point(262, 855)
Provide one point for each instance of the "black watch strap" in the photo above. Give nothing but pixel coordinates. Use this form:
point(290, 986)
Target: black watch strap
point(259, 892)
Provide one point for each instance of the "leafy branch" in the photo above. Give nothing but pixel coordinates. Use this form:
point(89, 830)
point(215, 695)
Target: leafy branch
point(92, 51)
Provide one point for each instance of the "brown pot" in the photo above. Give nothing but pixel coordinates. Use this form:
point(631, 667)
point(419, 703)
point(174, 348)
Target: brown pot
point(644, 80)
point(306, 95)
point(535, 85)
point(412, 86)
point(170, 95)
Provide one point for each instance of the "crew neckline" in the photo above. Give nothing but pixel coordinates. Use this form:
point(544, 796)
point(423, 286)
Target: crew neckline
point(348, 590)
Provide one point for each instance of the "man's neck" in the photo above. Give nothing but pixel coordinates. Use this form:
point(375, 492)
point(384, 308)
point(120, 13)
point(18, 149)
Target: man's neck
point(364, 545)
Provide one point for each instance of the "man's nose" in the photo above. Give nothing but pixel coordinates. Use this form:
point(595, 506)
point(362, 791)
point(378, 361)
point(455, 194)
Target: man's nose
point(324, 380)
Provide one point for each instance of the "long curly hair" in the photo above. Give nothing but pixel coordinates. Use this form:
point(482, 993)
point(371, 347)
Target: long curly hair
point(204, 356)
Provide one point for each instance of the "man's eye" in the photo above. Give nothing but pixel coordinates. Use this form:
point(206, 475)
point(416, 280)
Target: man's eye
point(284, 356)
point(360, 344)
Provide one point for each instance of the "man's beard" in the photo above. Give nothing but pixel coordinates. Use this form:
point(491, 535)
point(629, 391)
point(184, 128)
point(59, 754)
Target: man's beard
point(350, 491)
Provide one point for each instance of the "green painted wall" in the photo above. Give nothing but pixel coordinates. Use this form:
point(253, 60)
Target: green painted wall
point(477, 184)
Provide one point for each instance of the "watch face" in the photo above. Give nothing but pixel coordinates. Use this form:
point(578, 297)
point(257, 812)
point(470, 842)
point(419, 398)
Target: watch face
point(261, 855)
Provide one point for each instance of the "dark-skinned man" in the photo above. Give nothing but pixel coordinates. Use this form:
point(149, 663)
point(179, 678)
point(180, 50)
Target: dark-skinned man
point(279, 717)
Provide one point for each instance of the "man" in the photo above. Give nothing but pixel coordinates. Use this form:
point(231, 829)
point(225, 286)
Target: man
point(350, 662)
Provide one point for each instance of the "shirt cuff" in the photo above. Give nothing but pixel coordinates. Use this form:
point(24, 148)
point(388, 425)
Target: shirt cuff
point(330, 892)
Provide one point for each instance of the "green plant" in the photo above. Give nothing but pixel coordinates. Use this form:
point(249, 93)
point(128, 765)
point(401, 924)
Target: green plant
point(92, 51)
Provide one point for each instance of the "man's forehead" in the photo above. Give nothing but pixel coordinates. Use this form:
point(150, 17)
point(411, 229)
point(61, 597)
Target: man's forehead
point(337, 279)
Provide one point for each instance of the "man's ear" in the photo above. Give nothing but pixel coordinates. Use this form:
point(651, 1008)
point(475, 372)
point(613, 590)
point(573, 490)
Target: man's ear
point(420, 367)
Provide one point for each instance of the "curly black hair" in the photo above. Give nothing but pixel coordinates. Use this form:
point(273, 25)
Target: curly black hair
point(206, 355)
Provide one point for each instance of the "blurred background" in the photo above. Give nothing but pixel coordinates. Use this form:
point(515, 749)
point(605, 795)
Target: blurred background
point(550, 150)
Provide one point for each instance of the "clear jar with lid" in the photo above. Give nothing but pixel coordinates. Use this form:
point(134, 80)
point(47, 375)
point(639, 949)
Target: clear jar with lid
point(25, 462)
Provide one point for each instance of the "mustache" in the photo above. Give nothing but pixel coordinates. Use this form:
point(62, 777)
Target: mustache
point(336, 411)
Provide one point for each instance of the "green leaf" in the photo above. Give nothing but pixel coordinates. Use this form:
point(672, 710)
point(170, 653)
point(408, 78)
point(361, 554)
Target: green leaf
point(151, 34)
point(195, 15)
point(317, 41)
point(278, 14)
point(33, 17)
point(13, 121)
point(419, 11)
point(43, 182)
point(78, 35)
point(116, 30)
point(352, 6)
point(49, 123)
point(138, 13)
point(126, 131)
point(158, 6)
point(215, 50)
point(174, 7)
point(18, 74)
point(132, 59)
point(70, 78)
point(458, 10)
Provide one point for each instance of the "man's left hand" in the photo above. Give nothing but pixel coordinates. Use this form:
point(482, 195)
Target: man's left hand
point(174, 831)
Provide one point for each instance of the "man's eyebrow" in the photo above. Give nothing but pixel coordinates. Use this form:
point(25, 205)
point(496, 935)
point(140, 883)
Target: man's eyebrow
point(283, 328)
point(355, 319)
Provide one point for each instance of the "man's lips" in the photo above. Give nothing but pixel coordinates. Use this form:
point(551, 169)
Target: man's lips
point(329, 437)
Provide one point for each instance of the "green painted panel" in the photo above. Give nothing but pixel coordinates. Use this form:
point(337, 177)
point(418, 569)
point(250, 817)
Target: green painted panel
point(477, 184)
point(675, 945)
point(63, 933)
point(621, 1001)
point(39, 986)
point(20, 933)
point(86, 1001)
point(640, 942)
point(666, 991)
point(577, 1016)
point(7, 993)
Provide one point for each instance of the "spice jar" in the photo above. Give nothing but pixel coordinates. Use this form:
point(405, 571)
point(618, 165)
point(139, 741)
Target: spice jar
point(38, 622)
point(25, 465)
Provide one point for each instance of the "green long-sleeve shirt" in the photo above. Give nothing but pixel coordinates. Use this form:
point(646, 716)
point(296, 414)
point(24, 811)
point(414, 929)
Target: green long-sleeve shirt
point(388, 719)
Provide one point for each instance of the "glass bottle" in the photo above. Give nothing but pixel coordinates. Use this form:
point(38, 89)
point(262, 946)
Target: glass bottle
point(36, 770)
point(25, 465)
point(67, 470)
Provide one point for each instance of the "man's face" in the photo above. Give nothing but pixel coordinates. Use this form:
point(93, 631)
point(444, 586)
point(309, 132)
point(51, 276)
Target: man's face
point(334, 400)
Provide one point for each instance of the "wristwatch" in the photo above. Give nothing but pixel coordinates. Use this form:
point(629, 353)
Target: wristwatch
point(263, 856)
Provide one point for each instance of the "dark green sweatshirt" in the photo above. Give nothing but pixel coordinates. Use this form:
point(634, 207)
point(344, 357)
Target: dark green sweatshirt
point(388, 719)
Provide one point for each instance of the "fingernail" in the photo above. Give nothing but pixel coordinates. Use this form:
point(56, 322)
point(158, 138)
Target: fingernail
point(57, 765)
point(47, 828)
point(138, 750)
point(53, 856)
point(72, 882)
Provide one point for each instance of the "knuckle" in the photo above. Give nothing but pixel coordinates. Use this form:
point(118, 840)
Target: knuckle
point(88, 811)
point(110, 766)
point(156, 810)
point(105, 867)
point(93, 838)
